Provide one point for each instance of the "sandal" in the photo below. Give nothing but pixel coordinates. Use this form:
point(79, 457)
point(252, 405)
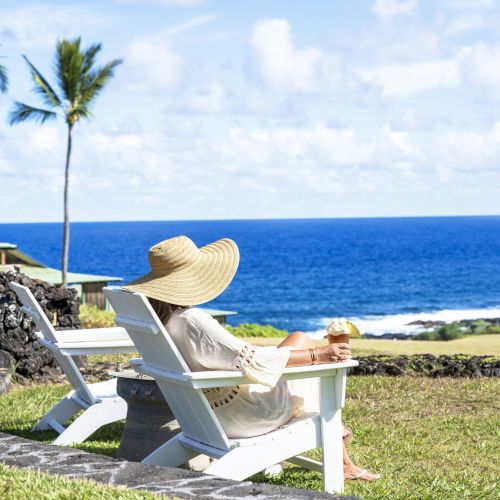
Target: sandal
point(362, 475)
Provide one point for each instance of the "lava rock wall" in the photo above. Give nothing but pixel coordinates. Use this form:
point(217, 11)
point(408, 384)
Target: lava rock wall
point(458, 365)
point(18, 344)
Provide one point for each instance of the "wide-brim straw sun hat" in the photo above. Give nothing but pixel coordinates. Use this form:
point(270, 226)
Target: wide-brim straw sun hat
point(183, 274)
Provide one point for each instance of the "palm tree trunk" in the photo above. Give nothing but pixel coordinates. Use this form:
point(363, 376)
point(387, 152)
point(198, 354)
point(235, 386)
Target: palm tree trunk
point(65, 252)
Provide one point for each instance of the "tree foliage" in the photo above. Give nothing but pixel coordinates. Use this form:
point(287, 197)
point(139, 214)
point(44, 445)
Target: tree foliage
point(79, 81)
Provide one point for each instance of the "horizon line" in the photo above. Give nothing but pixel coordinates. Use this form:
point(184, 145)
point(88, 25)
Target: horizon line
point(260, 219)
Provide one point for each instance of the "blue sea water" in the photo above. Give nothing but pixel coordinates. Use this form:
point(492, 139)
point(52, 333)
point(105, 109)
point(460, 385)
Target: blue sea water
point(295, 274)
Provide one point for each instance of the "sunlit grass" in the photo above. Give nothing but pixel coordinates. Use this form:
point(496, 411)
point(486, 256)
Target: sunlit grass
point(430, 438)
point(479, 345)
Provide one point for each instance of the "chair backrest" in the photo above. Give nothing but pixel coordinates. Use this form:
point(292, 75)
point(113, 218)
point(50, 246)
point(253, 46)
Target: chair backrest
point(32, 308)
point(190, 407)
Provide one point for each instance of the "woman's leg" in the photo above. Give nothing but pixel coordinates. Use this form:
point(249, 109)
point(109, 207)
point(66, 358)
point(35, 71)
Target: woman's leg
point(300, 340)
point(297, 340)
point(352, 471)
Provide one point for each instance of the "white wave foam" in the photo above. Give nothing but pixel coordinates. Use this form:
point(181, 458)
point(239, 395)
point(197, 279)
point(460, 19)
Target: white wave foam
point(398, 323)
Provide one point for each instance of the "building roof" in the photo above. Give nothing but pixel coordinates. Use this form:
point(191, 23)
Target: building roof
point(12, 249)
point(55, 276)
point(36, 270)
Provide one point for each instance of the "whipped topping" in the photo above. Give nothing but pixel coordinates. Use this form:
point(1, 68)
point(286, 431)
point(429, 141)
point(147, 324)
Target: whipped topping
point(338, 326)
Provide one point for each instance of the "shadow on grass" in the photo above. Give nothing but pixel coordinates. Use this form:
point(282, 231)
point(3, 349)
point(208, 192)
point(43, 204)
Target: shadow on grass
point(291, 476)
point(104, 441)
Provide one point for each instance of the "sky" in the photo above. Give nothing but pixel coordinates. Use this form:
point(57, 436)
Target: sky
point(261, 109)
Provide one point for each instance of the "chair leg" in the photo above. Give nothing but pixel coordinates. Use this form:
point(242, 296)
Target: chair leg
point(61, 412)
point(92, 419)
point(241, 462)
point(238, 464)
point(331, 433)
point(170, 454)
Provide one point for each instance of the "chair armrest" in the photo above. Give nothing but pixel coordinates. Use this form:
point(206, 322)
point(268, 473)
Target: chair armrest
point(89, 348)
point(115, 333)
point(212, 378)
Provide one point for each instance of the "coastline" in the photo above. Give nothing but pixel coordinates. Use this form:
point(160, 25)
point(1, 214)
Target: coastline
point(407, 326)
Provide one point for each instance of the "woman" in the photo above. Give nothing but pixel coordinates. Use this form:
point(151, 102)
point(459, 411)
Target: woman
point(183, 276)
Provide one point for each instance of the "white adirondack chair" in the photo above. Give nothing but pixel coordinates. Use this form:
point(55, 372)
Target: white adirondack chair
point(100, 402)
point(202, 433)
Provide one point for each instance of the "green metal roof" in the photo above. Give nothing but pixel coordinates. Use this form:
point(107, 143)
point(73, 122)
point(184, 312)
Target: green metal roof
point(55, 276)
point(12, 249)
point(39, 271)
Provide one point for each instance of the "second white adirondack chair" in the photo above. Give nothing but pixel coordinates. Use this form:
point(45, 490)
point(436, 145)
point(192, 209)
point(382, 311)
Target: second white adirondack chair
point(100, 402)
point(202, 432)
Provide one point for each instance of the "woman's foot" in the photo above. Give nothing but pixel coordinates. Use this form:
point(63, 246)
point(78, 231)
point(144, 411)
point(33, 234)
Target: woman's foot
point(352, 473)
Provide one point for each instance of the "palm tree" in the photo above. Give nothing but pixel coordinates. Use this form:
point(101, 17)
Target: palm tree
point(80, 81)
point(4, 79)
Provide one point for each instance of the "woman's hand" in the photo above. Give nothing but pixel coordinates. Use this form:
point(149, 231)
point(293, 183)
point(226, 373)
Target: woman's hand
point(332, 353)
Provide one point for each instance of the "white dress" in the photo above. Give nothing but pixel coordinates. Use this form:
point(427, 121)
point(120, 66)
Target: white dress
point(246, 410)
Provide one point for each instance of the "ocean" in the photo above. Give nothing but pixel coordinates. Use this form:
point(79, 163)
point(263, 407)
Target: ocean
point(382, 273)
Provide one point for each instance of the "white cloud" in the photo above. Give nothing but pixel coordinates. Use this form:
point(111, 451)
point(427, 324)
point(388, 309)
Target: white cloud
point(285, 68)
point(174, 171)
point(403, 80)
point(463, 23)
point(466, 149)
point(407, 47)
point(480, 66)
point(46, 140)
point(389, 8)
point(209, 101)
point(151, 65)
point(189, 24)
point(470, 4)
point(41, 25)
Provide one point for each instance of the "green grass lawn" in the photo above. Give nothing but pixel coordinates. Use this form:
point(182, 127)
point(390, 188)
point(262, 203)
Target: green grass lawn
point(477, 344)
point(430, 438)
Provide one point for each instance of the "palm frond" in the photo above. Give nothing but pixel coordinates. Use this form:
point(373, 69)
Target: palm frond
point(22, 112)
point(4, 79)
point(89, 57)
point(68, 66)
point(42, 86)
point(96, 80)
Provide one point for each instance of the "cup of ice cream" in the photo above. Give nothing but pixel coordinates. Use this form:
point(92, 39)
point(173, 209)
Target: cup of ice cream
point(340, 330)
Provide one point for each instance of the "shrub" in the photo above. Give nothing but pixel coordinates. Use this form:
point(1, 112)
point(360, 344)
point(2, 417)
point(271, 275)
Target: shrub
point(482, 327)
point(445, 332)
point(458, 330)
point(255, 330)
point(93, 317)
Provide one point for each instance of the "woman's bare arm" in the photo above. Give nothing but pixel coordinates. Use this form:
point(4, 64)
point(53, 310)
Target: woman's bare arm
point(331, 353)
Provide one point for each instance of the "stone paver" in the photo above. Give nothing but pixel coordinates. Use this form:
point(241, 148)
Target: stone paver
point(179, 483)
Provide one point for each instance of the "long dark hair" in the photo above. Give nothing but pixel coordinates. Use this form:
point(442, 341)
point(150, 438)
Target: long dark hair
point(163, 310)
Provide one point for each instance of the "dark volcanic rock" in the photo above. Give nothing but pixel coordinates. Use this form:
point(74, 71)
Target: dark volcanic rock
point(18, 344)
point(426, 323)
point(5, 359)
point(429, 365)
